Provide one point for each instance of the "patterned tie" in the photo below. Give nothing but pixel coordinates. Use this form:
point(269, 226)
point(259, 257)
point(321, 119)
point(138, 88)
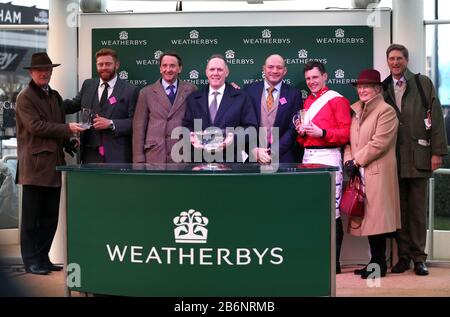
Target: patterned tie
point(269, 100)
point(103, 99)
point(171, 94)
point(213, 107)
point(102, 103)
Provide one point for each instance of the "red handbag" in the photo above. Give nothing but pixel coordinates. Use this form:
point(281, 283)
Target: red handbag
point(352, 202)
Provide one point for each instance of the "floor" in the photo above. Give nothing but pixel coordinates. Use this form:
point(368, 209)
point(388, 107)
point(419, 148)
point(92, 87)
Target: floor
point(437, 284)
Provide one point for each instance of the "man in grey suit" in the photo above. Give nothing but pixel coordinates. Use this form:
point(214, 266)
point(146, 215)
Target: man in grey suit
point(160, 109)
point(111, 101)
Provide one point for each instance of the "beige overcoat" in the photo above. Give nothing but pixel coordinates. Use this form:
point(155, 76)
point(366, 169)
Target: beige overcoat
point(373, 135)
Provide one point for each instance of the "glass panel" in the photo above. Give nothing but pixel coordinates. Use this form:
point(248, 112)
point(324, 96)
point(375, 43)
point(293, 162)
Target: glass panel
point(16, 48)
point(237, 5)
point(15, 52)
point(428, 9)
point(443, 9)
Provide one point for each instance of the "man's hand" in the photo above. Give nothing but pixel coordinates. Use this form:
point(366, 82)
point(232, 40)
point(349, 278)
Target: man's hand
point(195, 141)
point(235, 86)
point(436, 162)
point(351, 169)
point(299, 127)
point(262, 155)
point(101, 123)
point(75, 127)
point(228, 140)
point(312, 130)
point(70, 146)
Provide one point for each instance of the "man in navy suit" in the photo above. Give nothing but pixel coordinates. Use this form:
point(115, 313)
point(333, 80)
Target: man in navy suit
point(275, 104)
point(220, 105)
point(111, 101)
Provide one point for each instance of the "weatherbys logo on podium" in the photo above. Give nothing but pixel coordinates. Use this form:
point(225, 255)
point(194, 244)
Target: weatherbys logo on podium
point(266, 38)
point(230, 56)
point(340, 38)
point(150, 61)
point(302, 58)
point(123, 41)
point(191, 229)
point(194, 39)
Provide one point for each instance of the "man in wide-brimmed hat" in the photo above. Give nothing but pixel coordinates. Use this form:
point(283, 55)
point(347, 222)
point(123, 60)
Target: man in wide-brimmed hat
point(41, 132)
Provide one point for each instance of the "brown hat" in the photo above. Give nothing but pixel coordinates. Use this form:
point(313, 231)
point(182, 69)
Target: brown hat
point(368, 76)
point(41, 60)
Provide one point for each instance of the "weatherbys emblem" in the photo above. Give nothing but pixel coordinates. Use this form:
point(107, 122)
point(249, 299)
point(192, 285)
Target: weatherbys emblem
point(339, 33)
point(266, 34)
point(193, 74)
point(123, 75)
point(157, 54)
point(303, 53)
point(190, 227)
point(304, 94)
point(229, 54)
point(339, 73)
point(194, 34)
point(123, 35)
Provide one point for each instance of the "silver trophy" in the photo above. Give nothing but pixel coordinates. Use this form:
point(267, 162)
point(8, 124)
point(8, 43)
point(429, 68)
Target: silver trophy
point(211, 139)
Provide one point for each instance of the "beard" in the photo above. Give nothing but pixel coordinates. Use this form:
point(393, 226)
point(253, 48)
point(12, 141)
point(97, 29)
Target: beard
point(107, 75)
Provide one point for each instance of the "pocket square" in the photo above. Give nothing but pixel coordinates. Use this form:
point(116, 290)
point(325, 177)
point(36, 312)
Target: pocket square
point(112, 100)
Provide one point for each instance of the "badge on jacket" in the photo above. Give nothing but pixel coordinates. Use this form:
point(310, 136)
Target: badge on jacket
point(427, 121)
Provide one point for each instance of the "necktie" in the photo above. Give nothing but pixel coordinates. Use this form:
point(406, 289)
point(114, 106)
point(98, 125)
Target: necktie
point(171, 94)
point(213, 107)
point(104, 97)
point(269, 100)
point(102, 103)
point(399, 83)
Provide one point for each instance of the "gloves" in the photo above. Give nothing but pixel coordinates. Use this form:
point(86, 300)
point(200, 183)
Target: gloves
point(70, 147)
point(351, 169)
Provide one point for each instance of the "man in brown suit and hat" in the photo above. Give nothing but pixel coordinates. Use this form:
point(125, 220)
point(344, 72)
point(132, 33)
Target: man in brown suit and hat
point(41, 132)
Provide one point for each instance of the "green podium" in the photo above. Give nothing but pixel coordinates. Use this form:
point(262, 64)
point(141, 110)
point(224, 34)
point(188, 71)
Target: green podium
point(190, 230)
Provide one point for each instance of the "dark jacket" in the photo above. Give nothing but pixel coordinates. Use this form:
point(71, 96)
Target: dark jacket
point(289, 151)
point(414, 158)
point(117, 143)
point(235, 110)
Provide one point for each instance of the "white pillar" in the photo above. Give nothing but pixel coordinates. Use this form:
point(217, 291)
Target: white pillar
point(408, 29)
point(62, 48)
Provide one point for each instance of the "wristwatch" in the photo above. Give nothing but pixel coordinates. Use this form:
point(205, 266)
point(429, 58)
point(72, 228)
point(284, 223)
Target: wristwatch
point(112, 127)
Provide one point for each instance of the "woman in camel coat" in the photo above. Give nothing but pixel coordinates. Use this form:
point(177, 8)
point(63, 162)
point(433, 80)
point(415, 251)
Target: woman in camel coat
point(371, 153)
